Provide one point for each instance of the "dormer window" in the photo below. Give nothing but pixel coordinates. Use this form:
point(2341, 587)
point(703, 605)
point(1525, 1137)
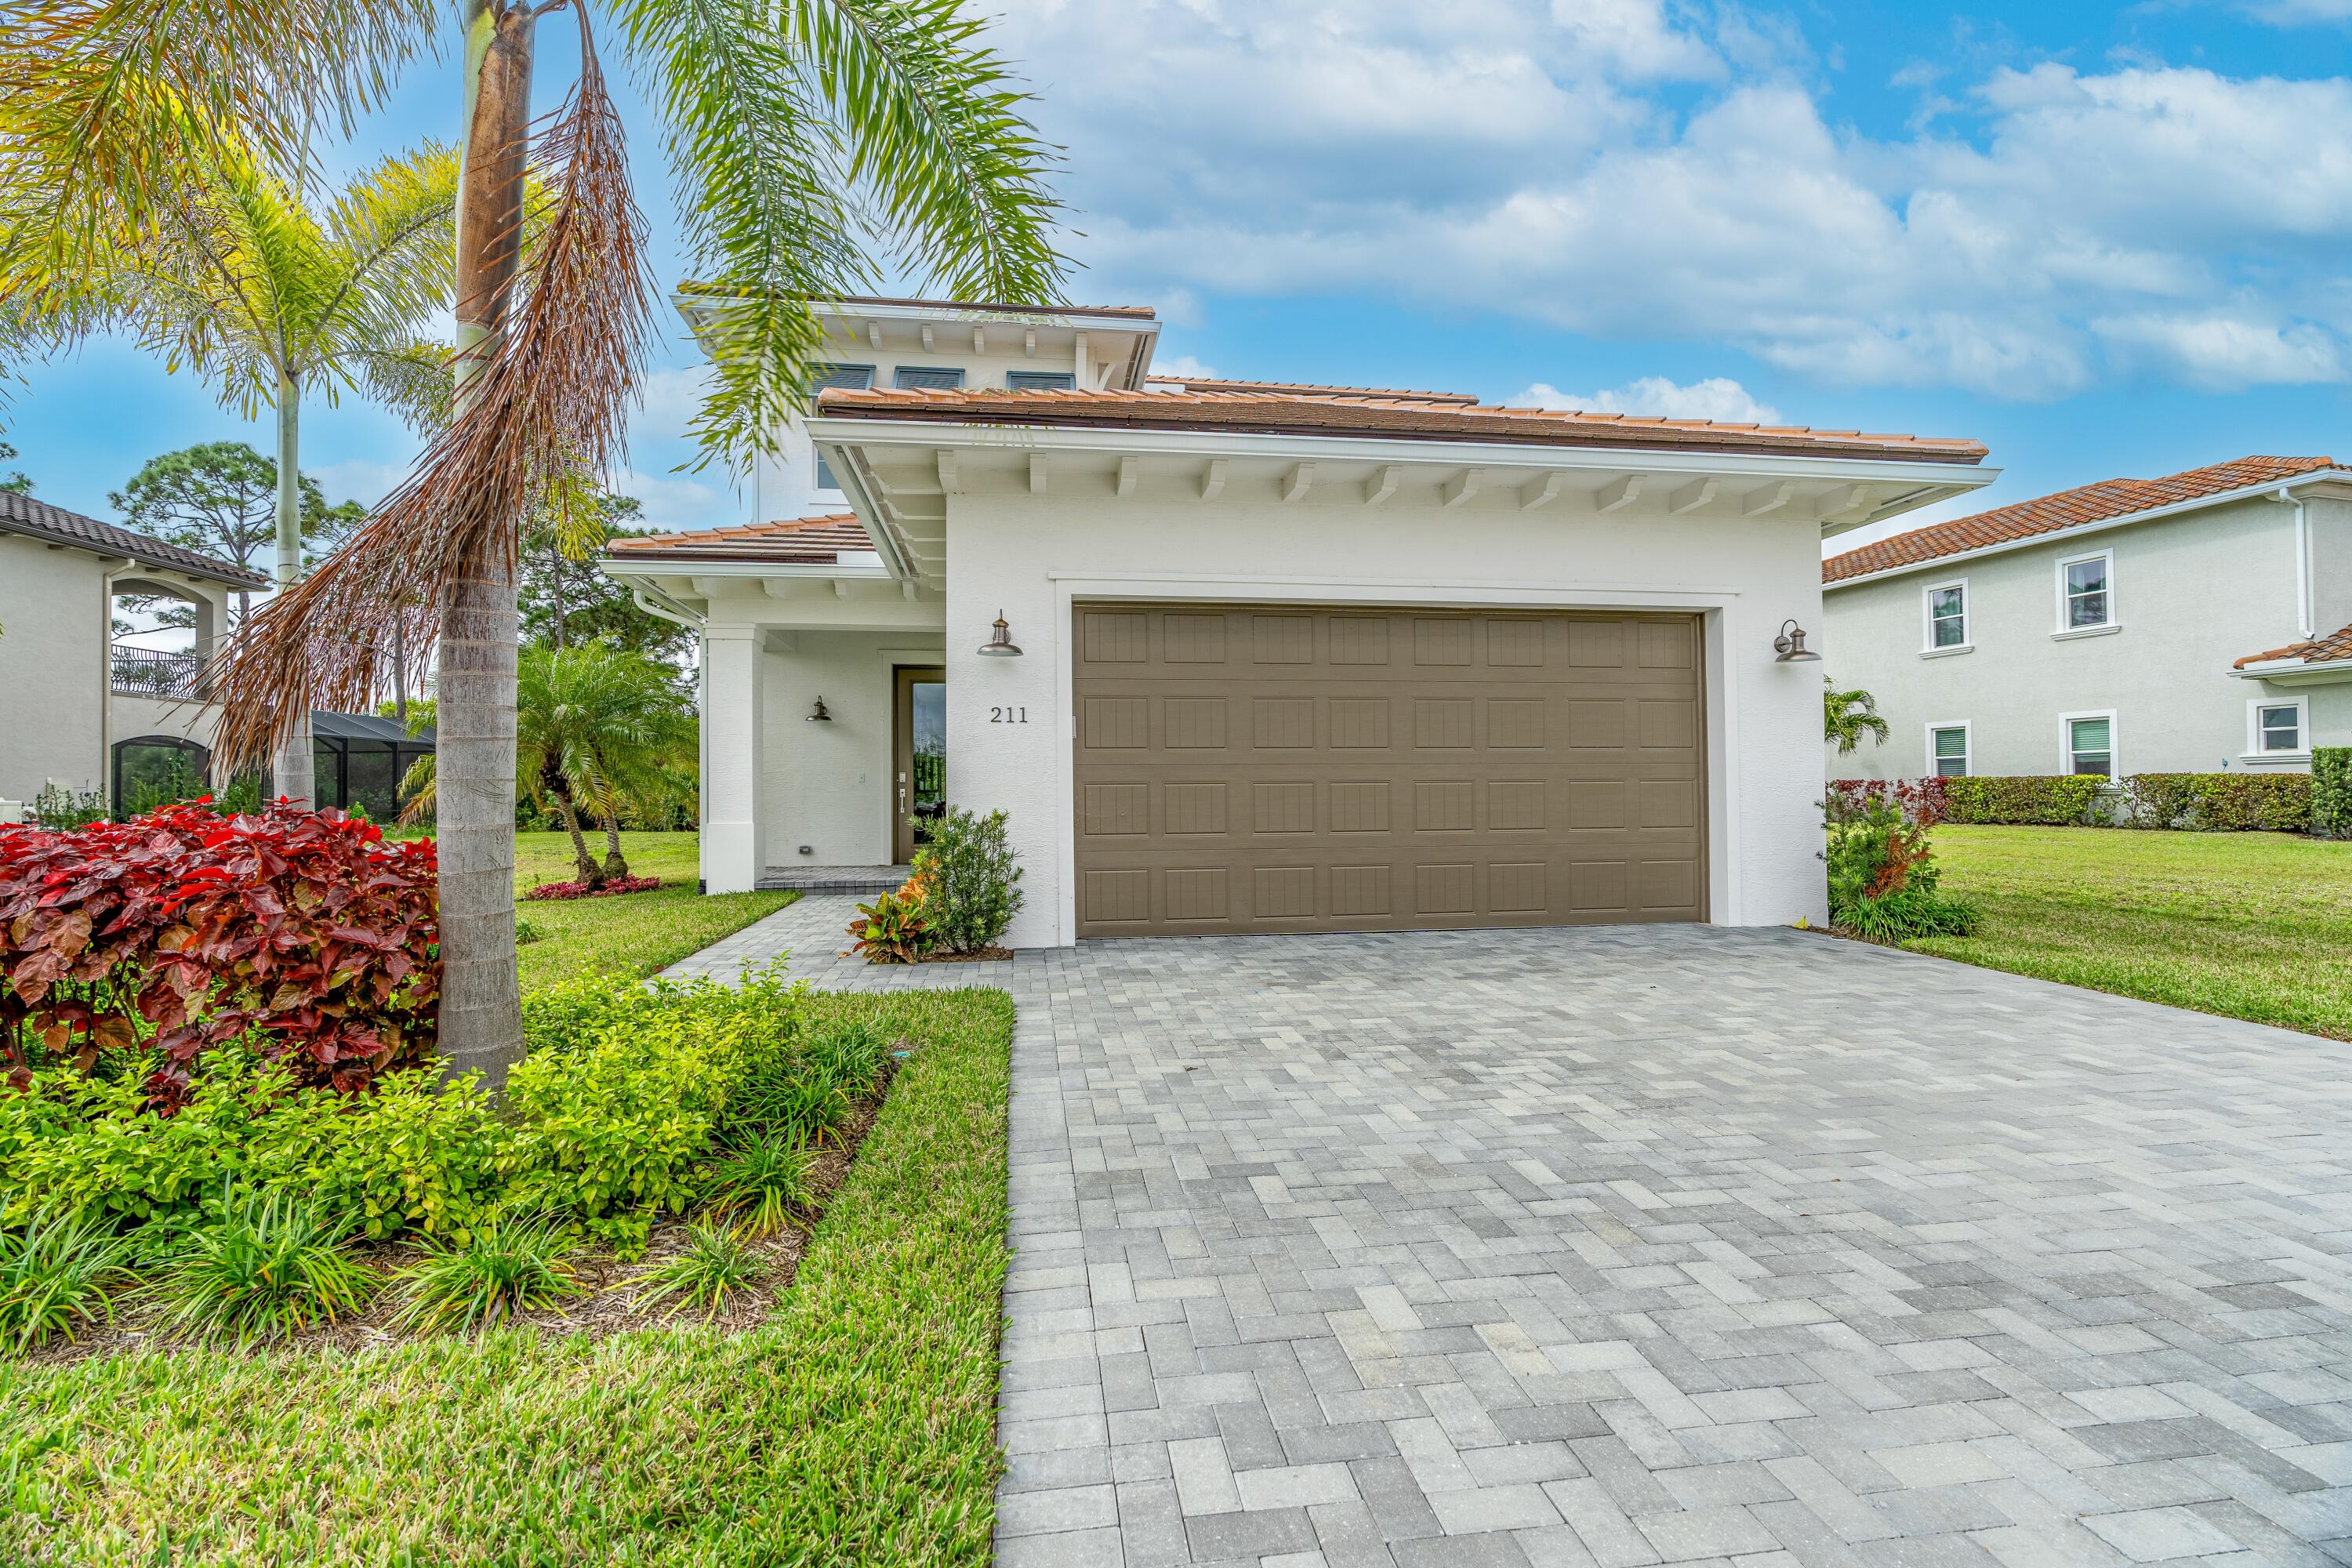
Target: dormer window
point(1041, 381)
point(927, 378)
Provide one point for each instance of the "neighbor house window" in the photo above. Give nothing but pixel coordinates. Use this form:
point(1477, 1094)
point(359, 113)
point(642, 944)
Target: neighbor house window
point(935, 378)
point(1041, 381)
point(2087, 592)
point(1948, 616)
point(1948, 751)
point(2276, 729)
point(2091, 744)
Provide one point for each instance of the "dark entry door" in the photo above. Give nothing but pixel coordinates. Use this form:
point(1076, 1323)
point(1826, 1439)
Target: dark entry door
point(920, 785)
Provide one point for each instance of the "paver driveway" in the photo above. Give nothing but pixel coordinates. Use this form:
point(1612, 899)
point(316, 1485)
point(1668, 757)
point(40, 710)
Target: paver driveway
point(1673, 1243)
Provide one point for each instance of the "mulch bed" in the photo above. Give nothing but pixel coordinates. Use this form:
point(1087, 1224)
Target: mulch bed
point(977, 955)
point(608, 1308)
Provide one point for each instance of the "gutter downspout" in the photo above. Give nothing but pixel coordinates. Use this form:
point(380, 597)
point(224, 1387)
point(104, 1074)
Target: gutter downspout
point(2304, 610)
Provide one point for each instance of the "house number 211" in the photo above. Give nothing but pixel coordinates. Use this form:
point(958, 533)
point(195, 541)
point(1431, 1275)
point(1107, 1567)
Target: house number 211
point(1008, 715)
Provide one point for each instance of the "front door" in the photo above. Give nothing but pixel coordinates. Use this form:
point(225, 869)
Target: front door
point(920, 788)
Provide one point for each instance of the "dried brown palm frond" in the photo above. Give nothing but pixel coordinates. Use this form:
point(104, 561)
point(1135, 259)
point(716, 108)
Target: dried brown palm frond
point(543, 403)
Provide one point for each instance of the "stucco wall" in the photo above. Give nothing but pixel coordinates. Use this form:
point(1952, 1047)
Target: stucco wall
point(1029, 555)
point(2331, 564)
point(2192, 594)
point(827, 786)
point(53, 673)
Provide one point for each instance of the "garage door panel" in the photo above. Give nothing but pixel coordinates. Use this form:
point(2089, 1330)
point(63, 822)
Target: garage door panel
point(1298, 770)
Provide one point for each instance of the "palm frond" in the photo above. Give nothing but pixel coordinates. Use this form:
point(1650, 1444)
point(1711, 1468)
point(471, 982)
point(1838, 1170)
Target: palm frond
point(547, 399)
point(410, 377)
point(82, 75)
point(393, 231)
point(760, 170)
point(936, 131)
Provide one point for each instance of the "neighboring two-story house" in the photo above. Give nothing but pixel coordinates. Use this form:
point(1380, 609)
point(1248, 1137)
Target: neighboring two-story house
point(76, 707)
point(1265, 656)
point(2197, 623)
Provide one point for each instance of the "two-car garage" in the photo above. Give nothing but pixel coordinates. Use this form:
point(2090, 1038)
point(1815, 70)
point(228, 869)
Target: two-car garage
point(1245, 768)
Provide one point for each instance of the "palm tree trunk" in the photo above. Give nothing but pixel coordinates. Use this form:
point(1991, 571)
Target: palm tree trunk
point(481, 1009)
point(615, 867)
point(590, 872)
point(291, 769)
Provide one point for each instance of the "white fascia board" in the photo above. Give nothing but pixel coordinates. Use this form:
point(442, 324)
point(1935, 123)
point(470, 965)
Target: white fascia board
point(2295, 672)
point(1285, 447)
point(2081, 530)
point(626, 569)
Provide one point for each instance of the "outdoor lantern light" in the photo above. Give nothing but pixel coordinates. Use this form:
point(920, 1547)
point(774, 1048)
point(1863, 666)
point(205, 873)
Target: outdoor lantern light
point(1790, 645)
point(1000, 643)
point(820, 716)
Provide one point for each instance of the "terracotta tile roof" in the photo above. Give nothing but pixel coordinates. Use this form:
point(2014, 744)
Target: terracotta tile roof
point(1136, 312)
point(1304, 389)
point(56, 525)
point(2335, 648)
point(795, 541)
point(1400, 417)
point(2068, 508)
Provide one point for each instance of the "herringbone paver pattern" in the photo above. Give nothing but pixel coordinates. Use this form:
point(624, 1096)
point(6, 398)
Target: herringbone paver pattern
point(1667, 1245)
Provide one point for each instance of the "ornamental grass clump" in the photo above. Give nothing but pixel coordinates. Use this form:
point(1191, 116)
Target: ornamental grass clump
point(764, 1185)
point(268, 1266)
point(717, 1266)
point(57, 1274)
point(1881, 870)
point(509, 1265)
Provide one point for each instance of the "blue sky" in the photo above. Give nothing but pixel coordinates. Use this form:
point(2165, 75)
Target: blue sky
point(2102, 239)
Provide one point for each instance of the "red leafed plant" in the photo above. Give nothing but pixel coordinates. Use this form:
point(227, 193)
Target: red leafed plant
point(582, 890)
point(302, 931)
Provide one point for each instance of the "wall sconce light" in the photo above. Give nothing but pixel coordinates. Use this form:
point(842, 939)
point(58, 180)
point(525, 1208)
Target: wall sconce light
point(819, 715)
point(1000, 643)
point(1790, 645)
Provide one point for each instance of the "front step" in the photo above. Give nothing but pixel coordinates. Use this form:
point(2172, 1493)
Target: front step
point(866, 879)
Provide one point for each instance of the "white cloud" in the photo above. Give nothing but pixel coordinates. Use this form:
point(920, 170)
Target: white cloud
point(361, 479)
point(1525, 157)
point(1183, 367)
point(2299, 13)
point(1718, 397)
point(672, 399)
point(678, 502)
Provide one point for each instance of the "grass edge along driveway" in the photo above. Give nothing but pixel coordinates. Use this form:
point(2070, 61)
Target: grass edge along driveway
point(2248, 925)
point(857, 1426)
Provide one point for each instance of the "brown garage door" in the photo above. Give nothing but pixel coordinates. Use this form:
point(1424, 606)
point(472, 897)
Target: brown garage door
point(1273, 768)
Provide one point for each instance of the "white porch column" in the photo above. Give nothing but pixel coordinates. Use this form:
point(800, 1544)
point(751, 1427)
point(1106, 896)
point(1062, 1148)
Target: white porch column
point(734, 850)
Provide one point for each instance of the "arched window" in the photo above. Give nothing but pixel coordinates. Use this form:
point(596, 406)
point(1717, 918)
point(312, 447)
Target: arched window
point(156, 770)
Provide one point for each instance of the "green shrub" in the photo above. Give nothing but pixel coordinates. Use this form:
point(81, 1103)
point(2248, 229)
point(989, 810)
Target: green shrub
point(717, 1266)
point(269, 1264)
point(414, 1156)
point(2331, 791)
point(510, 1264)
point(971, 880)
point(56, 1273)
point(2218, 802)
point(2048, 800)
point(763, 1185)
point(1882, 869)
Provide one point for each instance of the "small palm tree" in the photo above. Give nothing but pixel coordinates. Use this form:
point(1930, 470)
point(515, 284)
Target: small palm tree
point(591, 724)
point(1848, 716)
point(231, 272)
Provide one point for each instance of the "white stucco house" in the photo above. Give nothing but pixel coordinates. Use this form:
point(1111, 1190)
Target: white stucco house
point(74, 704)
point(1255, 656)
point(2197, 623)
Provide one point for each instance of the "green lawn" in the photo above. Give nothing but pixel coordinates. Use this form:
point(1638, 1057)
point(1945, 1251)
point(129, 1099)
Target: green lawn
point(856, 1427)
point(631, 933)
point(2250, 925)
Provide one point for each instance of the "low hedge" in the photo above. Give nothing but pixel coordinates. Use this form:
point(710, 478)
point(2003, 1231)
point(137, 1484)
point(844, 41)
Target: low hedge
point(2218, 802)
point(2043, 800)
point(2331, 792)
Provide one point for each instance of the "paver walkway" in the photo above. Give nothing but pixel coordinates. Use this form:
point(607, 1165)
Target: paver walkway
point(1662, 1245)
